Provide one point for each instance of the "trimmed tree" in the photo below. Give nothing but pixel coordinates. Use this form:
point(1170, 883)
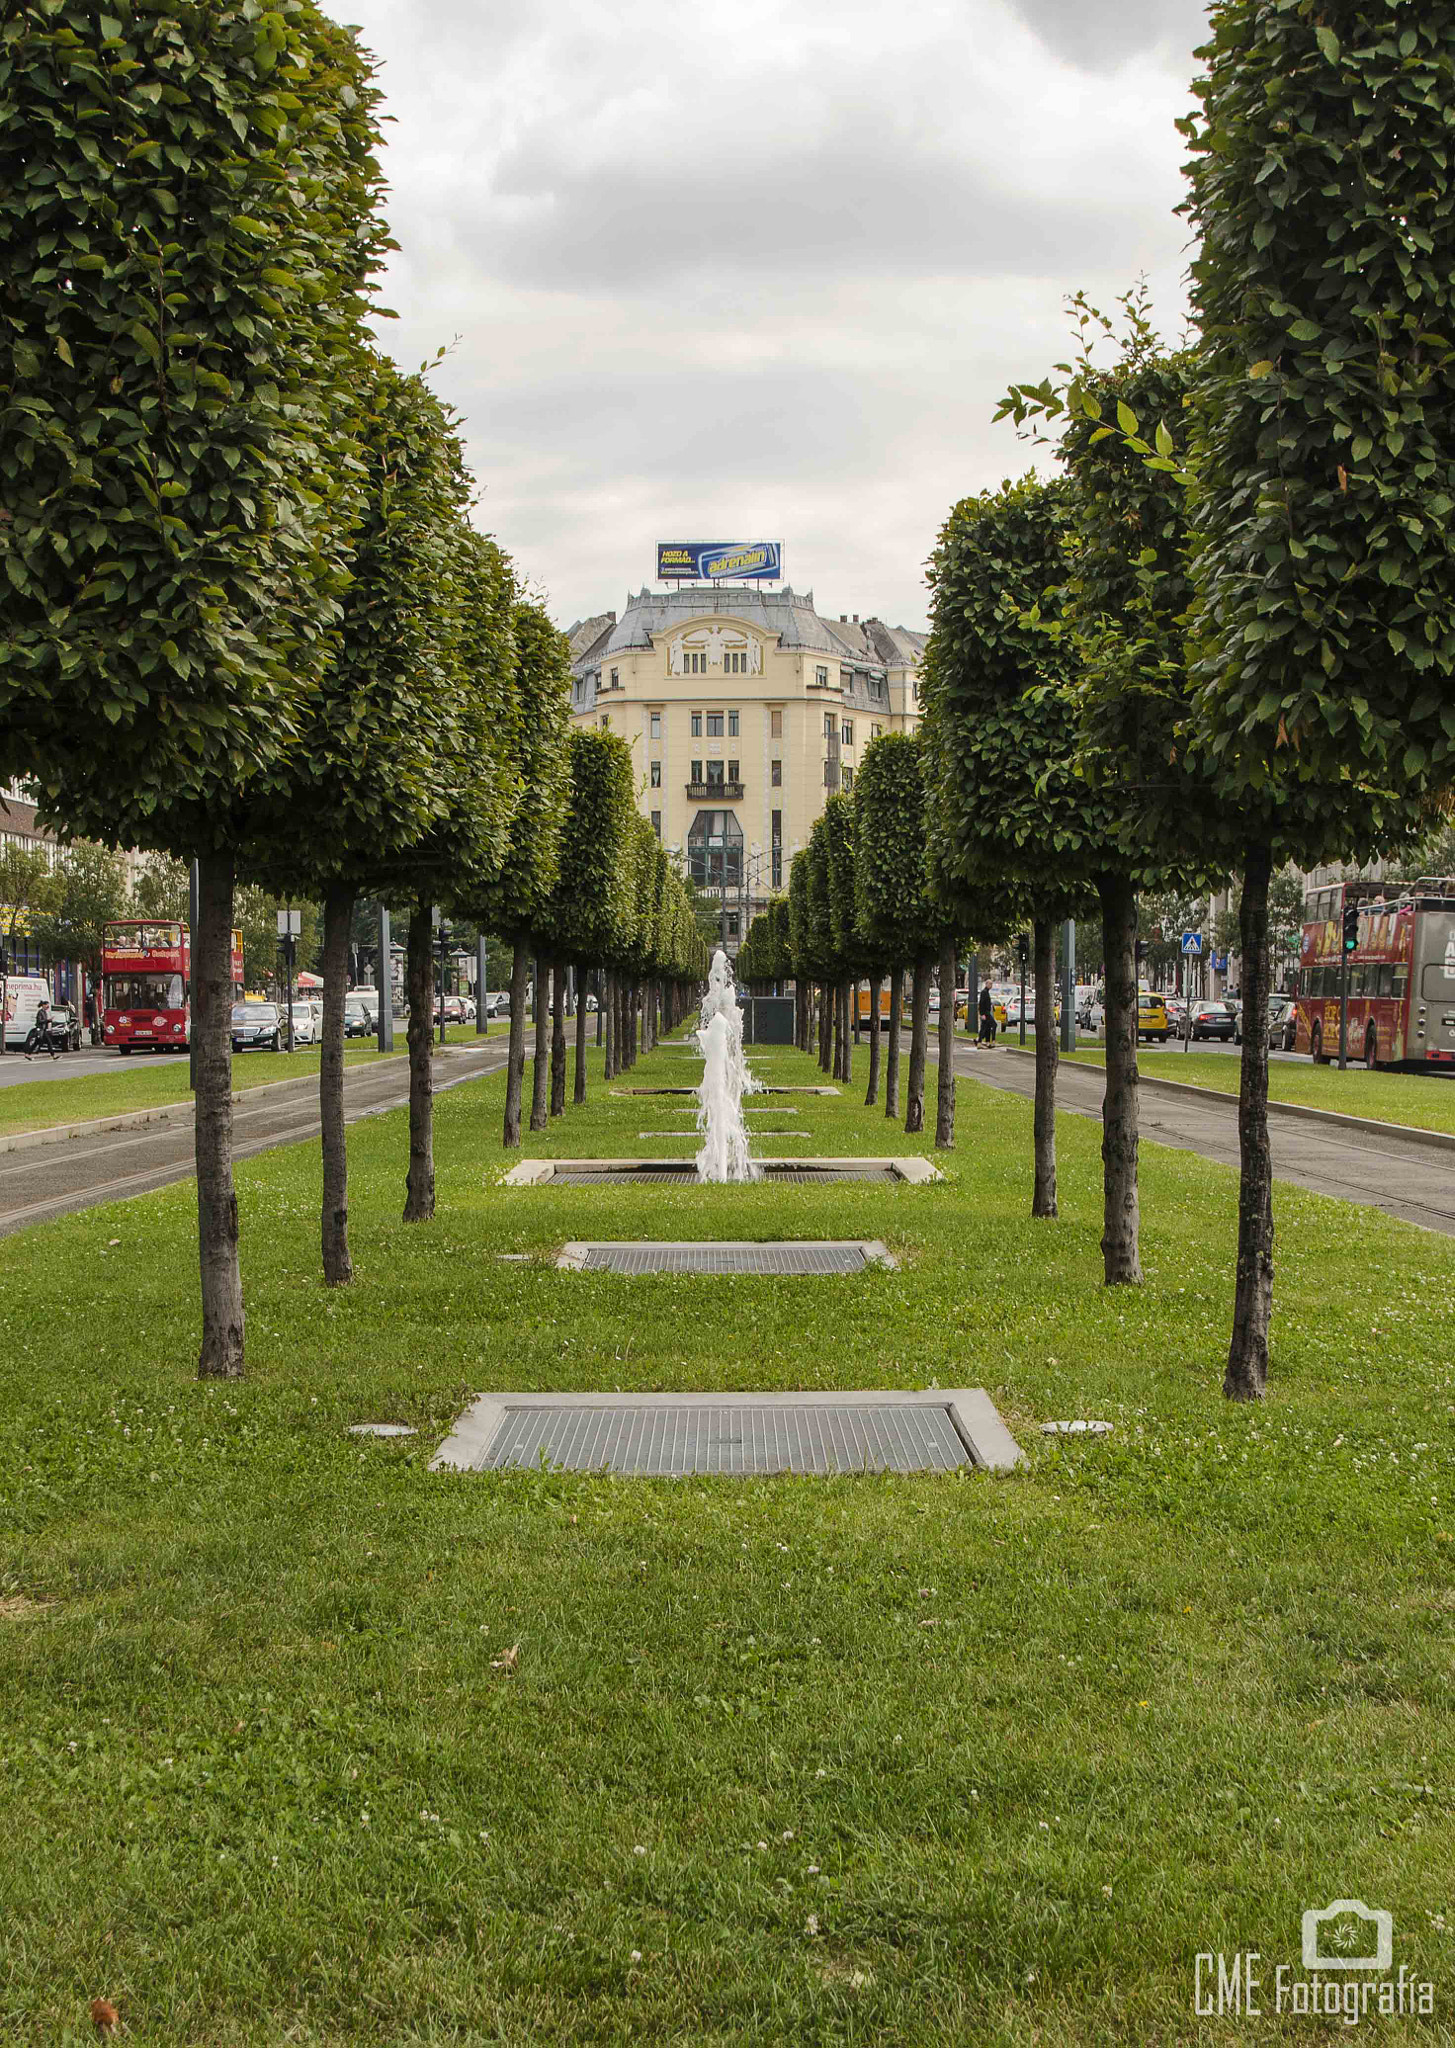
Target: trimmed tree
point(516, 902)
point(188, 202)
point(591, 897)
point(1008, 809)
point(1322, 642)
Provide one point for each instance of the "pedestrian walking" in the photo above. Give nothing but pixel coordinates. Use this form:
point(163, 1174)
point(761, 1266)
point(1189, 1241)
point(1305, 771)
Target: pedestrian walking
point(986, 1033)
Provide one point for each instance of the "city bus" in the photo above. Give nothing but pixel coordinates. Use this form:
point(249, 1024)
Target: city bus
point(1401, 976)
point(146, 984)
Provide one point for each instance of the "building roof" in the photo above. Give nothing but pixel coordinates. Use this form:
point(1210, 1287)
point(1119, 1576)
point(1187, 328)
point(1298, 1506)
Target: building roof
point(788, 613)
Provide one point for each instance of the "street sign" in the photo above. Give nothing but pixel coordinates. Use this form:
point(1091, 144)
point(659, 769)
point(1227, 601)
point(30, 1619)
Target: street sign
point(1192, 945)
point(1220, 963)
point(290, 923)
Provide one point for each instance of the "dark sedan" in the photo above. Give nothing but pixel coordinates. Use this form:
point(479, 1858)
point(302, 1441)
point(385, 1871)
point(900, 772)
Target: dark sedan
point(254, 1025)
point(1214, 1020)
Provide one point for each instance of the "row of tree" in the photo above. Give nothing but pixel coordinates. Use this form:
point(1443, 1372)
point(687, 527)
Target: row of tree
point(1222, 636)
point(247, 618)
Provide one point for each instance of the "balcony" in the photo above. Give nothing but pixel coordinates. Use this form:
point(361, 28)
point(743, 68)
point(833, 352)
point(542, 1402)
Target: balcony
point(715, 792)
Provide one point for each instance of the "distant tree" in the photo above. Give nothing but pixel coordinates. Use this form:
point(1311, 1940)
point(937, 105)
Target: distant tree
point(160, 888)
point(591, 899)
point(29, 889)
point(89, 891)
point(900, 920)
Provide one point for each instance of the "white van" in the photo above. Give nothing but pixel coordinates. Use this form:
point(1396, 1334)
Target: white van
point(24, 994)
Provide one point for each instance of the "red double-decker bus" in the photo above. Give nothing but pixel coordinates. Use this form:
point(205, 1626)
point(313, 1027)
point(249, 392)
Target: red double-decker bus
point(146, 984)
point(1401, 976)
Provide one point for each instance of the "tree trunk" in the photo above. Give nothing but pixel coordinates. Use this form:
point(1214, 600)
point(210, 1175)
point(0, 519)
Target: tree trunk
point(914, 1115)
point(945, 1096)
point(854, 998)
point(558, 1040)
point(600, 1006)
point(850, 1031)
point(825, 1029)
point(540, 1093)
point(419, 963)
point(221, 1356)
point(875, 1034)
point(835, 996)
point(1043, 1200)
point(891, 1063)
point(578, 1093)
point(515, 1064)
point(338, 918)
point(1121, 1215)
point(1247, 1373)
point(608, 1026)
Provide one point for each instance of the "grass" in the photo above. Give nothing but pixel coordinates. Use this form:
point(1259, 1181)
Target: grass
point(56, 1097)
point(1424, 1101)
point(878, 1760)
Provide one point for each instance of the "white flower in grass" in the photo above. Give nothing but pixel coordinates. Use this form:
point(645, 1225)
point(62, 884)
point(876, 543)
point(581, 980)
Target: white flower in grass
point(639, 1849)
point(636, 1955)
point(812, 1923)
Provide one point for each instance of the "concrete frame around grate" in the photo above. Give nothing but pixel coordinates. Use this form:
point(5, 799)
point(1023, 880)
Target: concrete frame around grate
point(784, 1088)
point(542, 1172)
point(675, 1421)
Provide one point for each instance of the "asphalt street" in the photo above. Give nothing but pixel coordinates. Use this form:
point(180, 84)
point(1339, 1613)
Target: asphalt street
point(42, 1181)
point(1403, 1176)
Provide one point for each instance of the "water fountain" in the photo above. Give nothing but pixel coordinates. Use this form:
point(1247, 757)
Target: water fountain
point(725, 1081)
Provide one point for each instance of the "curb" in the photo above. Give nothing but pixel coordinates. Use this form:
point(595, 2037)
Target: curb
point(1370, 1127)
point(164, 1112)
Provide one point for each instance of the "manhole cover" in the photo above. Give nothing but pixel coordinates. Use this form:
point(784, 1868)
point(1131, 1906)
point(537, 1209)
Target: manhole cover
point(630, 1255)
point(671, 1436)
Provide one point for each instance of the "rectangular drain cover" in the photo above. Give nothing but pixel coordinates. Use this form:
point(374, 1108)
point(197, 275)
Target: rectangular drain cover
point(632, 1255)
point(673, 1436)
point(684, 1172)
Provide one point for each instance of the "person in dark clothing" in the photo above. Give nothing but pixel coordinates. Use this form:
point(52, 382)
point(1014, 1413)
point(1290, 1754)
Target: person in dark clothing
point(986, 1033)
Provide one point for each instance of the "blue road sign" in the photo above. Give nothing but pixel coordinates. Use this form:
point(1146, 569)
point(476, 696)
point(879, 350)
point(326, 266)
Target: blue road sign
point(1192, 944)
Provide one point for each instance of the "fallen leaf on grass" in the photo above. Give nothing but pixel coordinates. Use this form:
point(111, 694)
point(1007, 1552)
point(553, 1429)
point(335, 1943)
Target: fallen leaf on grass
point(105, 2018)
point(508, 1661)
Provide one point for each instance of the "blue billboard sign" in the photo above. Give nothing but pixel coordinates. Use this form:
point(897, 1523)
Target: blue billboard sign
point(707, 561)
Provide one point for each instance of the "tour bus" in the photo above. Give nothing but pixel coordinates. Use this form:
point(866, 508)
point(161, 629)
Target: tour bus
point(1401, 975)
point(146, 984)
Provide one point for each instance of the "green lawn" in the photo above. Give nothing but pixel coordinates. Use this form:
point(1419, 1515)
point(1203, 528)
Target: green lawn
point(971, 1760)
point(55, 1097)
point(1426, 1101)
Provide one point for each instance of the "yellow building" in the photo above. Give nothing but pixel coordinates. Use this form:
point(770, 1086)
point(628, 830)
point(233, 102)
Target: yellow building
point(744, 709)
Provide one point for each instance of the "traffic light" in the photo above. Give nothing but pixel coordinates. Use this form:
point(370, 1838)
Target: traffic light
point(1023, 948)
point(1141, 951)
point(1351, 927)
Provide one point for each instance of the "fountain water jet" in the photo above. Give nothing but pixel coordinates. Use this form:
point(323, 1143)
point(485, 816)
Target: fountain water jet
point(725, 1081)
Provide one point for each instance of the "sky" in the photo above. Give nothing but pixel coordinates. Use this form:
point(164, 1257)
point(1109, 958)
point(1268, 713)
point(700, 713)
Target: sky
point(763, 271)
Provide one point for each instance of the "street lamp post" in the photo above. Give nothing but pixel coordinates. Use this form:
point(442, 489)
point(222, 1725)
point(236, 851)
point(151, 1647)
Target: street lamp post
point(1023, 945)
point(444, 942)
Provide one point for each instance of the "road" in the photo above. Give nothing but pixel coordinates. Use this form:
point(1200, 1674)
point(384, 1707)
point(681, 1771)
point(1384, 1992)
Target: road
point(1402, 1176)
point(43, 1181)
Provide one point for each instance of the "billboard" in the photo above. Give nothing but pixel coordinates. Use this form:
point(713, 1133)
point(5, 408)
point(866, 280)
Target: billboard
point(708, 560)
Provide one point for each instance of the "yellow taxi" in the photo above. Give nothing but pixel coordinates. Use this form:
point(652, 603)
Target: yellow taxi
point(1152, 1019)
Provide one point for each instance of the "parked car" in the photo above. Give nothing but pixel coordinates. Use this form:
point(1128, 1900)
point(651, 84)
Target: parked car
point(469, 1009)
point(1282, 1022)
point(1153, 1020)
point(304, 1031)
point(1213, 1020)
point(256, 1024)
point(361, 1014)
point(65, 1020)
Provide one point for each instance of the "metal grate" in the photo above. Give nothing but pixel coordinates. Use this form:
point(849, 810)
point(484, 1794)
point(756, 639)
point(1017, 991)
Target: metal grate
point(684, 1173)
point(665, 1442)
point(850, 1257)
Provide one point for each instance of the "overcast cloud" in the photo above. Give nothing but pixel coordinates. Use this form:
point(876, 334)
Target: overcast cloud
point(762, 271)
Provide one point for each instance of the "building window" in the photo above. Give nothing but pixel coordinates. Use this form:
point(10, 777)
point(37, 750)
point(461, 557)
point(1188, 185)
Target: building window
point(736, 664)
point(775, 771)
point(829, 725)
point(697, 771)
point(821, 677)
point(732, 924)
point(693, 663)
point(848, 732)
point(714, 725)
point(733, 771)
point(656, 725)
point(714, 775)
point(846, 678)
point(876, 732)
point(697, 725)
point(656, 775)
point(775, 725)
point(606, 720)
point(657, 823)
point(615, 679)
point(732, 725)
